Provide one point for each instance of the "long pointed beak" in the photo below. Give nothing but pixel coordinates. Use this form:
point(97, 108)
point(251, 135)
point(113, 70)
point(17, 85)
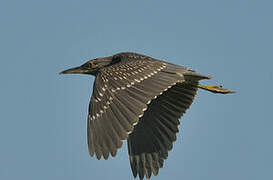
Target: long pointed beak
point(76, 70)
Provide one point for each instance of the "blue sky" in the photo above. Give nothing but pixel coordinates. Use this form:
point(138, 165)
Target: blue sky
point(43, 114)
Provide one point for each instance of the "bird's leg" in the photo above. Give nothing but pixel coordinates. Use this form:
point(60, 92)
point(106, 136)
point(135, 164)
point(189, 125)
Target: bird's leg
point(215, 89)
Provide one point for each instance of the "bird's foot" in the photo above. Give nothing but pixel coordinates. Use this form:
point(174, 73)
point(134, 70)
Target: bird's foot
point(215, 89)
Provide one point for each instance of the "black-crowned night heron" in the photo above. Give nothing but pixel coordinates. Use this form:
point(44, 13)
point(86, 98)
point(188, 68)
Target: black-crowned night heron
point(139, 99)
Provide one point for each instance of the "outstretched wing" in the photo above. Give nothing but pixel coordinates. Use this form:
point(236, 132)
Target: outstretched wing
point(120, 97)
point(153, 136)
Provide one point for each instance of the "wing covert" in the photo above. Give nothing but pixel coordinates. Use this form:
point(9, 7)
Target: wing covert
point(120, 97)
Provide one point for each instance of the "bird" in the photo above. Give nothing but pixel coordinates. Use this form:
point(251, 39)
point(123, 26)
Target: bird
point(139, 99)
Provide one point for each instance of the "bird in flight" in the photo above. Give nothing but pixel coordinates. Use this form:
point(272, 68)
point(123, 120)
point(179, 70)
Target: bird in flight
point(139, 99)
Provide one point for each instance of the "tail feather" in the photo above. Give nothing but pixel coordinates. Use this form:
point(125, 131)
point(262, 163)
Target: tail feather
point(193, 76)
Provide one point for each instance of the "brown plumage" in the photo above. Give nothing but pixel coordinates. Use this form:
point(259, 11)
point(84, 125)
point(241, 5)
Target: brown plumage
point(139, 99)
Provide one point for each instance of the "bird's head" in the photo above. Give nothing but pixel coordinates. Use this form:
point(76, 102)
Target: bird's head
point(91, 67)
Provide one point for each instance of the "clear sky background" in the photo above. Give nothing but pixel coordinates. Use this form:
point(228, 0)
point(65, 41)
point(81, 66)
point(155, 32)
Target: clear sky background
point(43, 114)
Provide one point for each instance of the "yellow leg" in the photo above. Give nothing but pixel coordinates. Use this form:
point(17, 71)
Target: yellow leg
point(215, 89)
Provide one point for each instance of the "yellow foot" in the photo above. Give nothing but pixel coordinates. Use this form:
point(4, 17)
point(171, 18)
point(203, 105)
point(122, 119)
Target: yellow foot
point(215, 89)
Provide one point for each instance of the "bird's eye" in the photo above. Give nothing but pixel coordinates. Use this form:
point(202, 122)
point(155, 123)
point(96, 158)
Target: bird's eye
point(93, 64)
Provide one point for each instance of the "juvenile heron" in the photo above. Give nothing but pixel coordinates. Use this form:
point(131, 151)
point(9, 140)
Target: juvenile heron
point(139, 99)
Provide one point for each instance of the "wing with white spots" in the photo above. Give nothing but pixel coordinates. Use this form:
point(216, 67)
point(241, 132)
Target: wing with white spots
point(120, 97)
